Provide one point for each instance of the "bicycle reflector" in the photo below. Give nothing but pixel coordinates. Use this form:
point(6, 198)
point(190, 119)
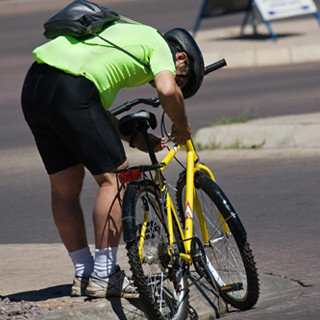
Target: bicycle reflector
point(128, 176)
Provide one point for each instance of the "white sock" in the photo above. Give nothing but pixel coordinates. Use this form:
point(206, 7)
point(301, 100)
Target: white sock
point(83, 261)
point(105, 261)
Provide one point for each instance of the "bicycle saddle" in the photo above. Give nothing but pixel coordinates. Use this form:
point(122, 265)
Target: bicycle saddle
point(141, 119)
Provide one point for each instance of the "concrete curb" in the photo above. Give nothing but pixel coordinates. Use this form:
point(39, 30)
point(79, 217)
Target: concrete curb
point(298, 131)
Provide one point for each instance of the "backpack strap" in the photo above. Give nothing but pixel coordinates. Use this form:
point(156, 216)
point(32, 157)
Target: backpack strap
point(129, 20)
point(123, 50)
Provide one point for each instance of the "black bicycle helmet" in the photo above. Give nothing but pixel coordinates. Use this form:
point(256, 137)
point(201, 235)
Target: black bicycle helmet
point(180, 40)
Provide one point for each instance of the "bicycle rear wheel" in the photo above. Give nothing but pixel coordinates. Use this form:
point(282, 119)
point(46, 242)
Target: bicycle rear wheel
point(162, 284)
point(228, 262)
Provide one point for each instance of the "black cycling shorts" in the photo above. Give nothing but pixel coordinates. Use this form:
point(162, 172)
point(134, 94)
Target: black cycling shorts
point(68, 121)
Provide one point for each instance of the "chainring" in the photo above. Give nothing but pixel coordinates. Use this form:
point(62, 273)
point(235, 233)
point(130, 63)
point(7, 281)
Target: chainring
point(198, 255)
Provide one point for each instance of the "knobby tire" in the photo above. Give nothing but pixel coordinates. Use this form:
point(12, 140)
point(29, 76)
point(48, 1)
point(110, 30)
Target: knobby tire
point(230, 252)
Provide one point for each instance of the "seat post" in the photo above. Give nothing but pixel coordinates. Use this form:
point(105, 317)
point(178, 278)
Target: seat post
point(143, 128)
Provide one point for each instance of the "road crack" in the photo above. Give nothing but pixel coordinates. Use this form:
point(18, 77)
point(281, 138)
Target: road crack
point(301, 283)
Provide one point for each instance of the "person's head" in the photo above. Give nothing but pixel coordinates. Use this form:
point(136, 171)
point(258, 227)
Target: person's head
point(188, 59)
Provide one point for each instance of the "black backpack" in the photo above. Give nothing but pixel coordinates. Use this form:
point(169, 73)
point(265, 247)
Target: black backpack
point(82, 19)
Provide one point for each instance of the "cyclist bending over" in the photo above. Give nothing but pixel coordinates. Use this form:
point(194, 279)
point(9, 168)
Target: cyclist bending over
point(65, 96)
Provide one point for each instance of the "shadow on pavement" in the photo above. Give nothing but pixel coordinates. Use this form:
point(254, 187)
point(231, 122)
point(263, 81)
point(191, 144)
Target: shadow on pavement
point(258, 36)
point(42, 294)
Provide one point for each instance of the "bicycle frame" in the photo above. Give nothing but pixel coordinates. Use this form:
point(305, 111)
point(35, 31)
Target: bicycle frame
point(193, 165)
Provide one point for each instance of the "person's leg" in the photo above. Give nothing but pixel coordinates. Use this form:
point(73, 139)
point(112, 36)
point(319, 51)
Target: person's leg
point(107, 223)
point(108, 280)
point(107, 210)
point(66, 186)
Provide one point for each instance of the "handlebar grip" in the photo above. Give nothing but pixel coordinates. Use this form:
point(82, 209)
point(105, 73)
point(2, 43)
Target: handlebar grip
point(215, 66)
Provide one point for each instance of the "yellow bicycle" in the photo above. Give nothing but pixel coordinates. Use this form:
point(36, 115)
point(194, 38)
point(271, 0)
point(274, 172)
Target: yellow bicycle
point(204, 229)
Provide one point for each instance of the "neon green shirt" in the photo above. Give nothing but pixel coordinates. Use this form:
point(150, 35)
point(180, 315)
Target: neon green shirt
point(107, 67)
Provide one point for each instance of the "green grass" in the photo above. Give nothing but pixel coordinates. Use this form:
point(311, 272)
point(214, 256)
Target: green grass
point(246, 116)
point(237, 144)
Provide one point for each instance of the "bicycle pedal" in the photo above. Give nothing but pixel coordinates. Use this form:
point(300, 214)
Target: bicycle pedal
point(232, 287)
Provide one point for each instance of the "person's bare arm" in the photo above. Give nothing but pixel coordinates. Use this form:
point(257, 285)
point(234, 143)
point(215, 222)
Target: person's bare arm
point(171, 99)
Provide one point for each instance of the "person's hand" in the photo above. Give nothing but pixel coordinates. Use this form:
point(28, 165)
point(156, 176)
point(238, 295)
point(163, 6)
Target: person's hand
point(181, 134)
point(157, 143)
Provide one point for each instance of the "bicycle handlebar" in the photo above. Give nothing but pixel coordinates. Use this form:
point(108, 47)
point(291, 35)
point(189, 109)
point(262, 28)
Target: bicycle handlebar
point(154, 102)
point(215, 66)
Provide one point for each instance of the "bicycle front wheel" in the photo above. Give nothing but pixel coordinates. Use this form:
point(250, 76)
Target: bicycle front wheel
point(162, 283)
point(227, 261)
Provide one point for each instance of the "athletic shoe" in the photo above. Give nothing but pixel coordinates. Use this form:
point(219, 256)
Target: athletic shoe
point(117, 285)
point(79, 285)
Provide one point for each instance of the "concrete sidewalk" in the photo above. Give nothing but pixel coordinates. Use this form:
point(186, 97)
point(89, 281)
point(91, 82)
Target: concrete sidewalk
point(47, 284)
point(298, 42)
